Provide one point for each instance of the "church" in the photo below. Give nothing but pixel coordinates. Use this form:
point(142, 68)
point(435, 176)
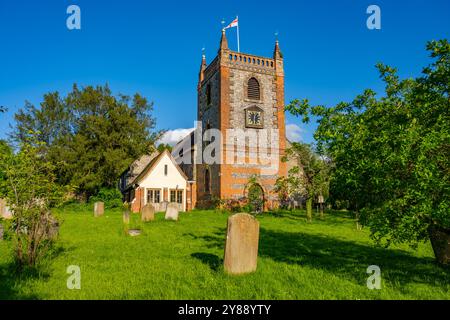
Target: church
point(242, 92)
point(237, 92)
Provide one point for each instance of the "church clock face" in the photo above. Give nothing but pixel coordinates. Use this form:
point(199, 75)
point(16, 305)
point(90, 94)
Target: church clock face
point(254, 118)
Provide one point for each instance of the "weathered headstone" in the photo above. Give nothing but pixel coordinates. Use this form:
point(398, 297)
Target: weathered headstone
point(5, 212)
point(241, 247)
point(54, 228)
point(134, 232)
point(126, 217)
point(172, 211)
point(148, 213)
point(2, 207)
point(99, 209)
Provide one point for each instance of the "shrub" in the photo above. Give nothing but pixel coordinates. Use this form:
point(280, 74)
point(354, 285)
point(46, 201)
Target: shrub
point(111, 197)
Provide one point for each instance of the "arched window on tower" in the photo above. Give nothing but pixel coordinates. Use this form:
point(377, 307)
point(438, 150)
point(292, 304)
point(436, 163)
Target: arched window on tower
point(207, 181)
point(208, 94)
point(253, 89)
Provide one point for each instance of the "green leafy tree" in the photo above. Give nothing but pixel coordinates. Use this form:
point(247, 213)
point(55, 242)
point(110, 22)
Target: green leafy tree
point(161, 147)
point(90, 136)
point(391, 153)
point(310, 177)
point(255, 195)
point(283, 190)
point(28, 184)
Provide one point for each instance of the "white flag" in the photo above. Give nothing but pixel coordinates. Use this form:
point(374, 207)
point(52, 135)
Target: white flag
point(233, 24)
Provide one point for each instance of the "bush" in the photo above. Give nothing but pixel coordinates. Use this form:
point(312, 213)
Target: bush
point(111, 197)
point(233, 205)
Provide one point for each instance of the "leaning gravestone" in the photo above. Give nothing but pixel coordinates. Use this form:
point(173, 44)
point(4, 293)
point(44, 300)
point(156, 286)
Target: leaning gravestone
point(99, 209)
point(172, 211)
point(241, 247)
point(148, 213)
point(54, 228)
point(126, 217)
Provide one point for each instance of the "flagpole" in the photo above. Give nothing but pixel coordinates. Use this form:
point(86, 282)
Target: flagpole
point(239, 49)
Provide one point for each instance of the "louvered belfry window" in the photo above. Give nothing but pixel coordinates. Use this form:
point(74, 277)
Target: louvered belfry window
point(253, 90)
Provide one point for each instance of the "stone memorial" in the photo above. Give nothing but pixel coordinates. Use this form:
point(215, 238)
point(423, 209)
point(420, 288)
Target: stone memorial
point(148, 213)
point(99, 209)
point(134, 232)
point(241, 246)
point(5, 212)
point(54, 228)
point(172, 211)
point(126, 217)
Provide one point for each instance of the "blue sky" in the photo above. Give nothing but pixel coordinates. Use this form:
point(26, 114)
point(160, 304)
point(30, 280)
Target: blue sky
point(154, 48)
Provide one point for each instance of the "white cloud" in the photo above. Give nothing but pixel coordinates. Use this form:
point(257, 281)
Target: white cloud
point(172, 137)
point(294, 132)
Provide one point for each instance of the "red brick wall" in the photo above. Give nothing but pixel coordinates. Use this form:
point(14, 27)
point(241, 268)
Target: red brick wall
point(138, 203)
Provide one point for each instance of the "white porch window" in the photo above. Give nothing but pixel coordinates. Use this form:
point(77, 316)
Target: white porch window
point(153, 195)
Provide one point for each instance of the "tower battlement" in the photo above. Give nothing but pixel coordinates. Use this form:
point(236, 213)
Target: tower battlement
point(242, 92)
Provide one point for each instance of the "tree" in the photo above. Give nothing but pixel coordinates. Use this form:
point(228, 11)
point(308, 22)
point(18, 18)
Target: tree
point(255, 195)
point(28, 185)
point(162, 147)
point(90, 136)
point(309, 177)
point(391, 153)
point(283, 190)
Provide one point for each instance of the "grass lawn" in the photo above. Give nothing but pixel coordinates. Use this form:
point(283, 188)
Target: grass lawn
point(183, 260)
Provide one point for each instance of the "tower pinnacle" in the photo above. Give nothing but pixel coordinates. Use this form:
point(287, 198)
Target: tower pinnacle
point(223, 41)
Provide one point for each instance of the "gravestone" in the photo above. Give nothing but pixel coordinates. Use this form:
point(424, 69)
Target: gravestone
point(172, 211)
point(134, 232)
point(126, 217)
point(241, 246)
point(5, 212)
point(148, 213)
point(54, 228)
point(99, 209)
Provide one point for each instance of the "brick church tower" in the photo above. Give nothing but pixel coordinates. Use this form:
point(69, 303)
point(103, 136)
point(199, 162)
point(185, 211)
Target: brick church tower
point(244, 92)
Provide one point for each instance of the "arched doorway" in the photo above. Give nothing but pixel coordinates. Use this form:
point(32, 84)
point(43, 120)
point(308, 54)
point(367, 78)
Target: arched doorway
point(255, 195)
point(207, 181)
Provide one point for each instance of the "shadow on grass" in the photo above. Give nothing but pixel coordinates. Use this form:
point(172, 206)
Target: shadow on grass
point(214, 240)
point(349, 259)
point(332, 217)
point(11, 280)
point(213, 261)
point(346, 259)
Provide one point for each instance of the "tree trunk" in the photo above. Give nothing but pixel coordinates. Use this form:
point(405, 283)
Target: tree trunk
point(309, 209)
point(440, 241)
point(358, 225)
point(321, 215)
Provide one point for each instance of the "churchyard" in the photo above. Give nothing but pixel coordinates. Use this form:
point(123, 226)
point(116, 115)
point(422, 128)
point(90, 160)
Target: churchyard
point(184, 259)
